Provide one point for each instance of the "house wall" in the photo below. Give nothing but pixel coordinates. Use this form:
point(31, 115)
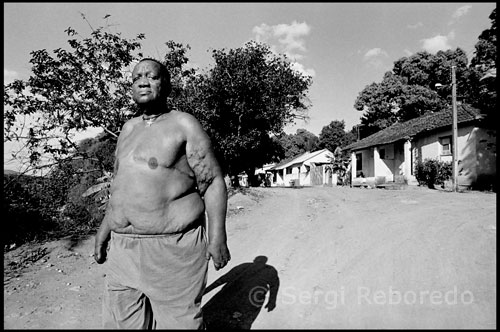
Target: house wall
point(278, 179)
point(476, 157)
point(305, 176)
point(389, 164)
point(399, 161)
point(367, 166)
point(486, 158)
point(295, 175)
point(301, 172)
point(476, 151)
point(430, 147)
point(385, 167)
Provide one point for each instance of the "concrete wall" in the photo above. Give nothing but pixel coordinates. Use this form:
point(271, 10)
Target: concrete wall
point(476, 152)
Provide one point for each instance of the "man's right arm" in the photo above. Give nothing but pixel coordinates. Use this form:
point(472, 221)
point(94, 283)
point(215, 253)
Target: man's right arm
point(104, 232)
point(101, 241)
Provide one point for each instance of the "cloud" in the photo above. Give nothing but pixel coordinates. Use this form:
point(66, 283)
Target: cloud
point(289, 37)
point(375, 57)
point(437, 43)
point(375, 52)
point(301, 69)
point(9, 76)
point(286, 39)
point(415, 26)
point(407, 52)
point(459, 13)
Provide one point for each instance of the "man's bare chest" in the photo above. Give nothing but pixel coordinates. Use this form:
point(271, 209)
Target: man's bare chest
point(154, 146)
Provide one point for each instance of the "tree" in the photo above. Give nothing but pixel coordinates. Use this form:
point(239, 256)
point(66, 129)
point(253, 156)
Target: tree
point(334, 136)
point(245, 99)
point(425, 69)
point(298, 143)
point(339, 164)
point(408, 91)
point(485, 54)
point(70, 91)
point(483, 72)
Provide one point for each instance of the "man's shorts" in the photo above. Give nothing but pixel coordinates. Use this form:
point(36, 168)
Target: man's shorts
point(155, 281)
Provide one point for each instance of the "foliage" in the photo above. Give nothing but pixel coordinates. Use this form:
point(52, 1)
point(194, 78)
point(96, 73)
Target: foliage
point(409, 90)
point(334, 136)
point(21, 209)
point(431, 172)
point(405, 93)
point(70, 91)
point(297, 144)
point(247, 97)
point(32, 206)
point(39, 208)
point(483, 64)
point(339, 165)
point(95, 175)
point(485, 54)
point(84, 86)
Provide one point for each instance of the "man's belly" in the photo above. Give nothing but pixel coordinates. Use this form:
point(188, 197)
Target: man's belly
point(145, 215)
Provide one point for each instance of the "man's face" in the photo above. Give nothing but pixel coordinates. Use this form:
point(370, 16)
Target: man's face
point(147, 84)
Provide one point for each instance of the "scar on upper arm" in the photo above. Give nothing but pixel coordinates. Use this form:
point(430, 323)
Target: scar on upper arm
point(202, 166)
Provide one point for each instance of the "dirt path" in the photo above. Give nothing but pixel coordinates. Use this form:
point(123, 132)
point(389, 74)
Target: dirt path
point(345, 258)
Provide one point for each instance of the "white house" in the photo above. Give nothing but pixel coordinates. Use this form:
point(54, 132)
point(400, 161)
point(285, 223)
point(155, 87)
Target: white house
point(391, 154)
point(305, 170)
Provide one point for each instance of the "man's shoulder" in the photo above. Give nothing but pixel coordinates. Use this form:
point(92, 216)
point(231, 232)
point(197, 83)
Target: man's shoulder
point(184, 118)
point(182, 115)
point(129, 124)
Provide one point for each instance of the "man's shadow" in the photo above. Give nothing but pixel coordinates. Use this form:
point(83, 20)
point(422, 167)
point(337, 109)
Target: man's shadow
point(238, 303)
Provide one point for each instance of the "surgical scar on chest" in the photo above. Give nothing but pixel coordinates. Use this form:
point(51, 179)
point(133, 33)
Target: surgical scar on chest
point(153, 163)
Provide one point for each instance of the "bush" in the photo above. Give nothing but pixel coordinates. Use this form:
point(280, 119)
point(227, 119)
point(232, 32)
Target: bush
point(26, 216)
point(431, 172)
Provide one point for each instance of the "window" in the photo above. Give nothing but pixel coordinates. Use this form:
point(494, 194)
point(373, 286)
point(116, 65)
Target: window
point(445, 143)
point(289, 170)
point(382, 153)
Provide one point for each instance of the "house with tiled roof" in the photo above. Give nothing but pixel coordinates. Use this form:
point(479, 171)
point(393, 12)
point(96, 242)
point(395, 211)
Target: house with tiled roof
point(307, 169)
point(391, 154)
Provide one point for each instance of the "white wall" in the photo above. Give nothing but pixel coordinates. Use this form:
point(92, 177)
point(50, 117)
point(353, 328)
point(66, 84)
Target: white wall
point(474, 158)
point(385, 167)
point(431, 148)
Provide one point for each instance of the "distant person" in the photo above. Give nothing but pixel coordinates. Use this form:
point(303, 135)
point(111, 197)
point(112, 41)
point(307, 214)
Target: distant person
point(166, 178)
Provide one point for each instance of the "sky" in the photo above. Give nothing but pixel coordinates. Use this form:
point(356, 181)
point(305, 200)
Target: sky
point(343, 46)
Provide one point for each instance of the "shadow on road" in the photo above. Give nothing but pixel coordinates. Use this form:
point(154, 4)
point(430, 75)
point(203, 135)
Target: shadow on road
point(238, 303)
point(72, 241)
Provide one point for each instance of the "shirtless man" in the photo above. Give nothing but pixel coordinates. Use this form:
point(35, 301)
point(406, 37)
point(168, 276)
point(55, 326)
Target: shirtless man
point(166, 179)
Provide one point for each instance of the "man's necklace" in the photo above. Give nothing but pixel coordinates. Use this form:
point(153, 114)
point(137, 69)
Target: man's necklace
point(150, 120)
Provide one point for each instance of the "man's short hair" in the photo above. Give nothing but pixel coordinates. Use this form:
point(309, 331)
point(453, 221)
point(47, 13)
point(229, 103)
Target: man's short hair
point(165, 74)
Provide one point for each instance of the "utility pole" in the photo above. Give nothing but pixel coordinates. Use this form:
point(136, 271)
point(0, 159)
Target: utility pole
point(454, 129)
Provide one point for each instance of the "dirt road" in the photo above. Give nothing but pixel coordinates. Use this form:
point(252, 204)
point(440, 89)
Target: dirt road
point(339, 258)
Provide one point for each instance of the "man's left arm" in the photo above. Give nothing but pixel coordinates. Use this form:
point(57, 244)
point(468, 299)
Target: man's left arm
point(212, 187)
